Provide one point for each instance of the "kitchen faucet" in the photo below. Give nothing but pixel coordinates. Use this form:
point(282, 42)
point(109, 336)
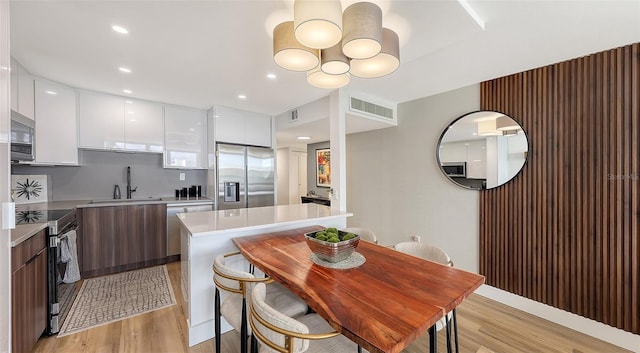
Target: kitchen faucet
point(130, 190)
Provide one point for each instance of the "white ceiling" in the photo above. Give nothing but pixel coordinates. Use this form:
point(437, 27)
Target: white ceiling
point(204, 53)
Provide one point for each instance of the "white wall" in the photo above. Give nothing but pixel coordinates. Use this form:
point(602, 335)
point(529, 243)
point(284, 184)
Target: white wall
point(396, 189)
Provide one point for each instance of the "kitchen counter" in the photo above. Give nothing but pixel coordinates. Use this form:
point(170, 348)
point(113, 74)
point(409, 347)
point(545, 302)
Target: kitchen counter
point(23, 232)
point(205, 235)
point(143, 201)
point(203, 224)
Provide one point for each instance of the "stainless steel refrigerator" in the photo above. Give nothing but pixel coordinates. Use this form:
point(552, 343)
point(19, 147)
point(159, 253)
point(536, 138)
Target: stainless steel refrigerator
point(245, 176)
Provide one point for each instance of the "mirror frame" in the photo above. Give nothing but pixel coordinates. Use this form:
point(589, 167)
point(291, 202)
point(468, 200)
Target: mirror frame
point(526, 159)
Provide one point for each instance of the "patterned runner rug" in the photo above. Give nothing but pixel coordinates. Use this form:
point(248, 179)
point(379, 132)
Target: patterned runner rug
point(106, 299)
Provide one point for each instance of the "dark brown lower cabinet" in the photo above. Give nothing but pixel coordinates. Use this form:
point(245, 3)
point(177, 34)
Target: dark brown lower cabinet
point(120, 238)
point(28, 292)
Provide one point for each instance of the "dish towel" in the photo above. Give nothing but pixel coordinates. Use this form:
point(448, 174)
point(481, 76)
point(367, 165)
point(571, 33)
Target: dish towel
point(72, 274)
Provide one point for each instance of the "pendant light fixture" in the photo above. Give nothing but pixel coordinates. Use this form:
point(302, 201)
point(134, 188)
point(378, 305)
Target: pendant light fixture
point(289, 53)
point(331, 45)
point(504, 123)
point(386, 62)
point(321, 79)
point(333, 61)
point(362, 26)
point(488, 128)
point(318, 24)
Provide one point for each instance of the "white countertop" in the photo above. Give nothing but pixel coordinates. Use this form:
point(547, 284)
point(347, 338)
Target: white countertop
point(215, 222)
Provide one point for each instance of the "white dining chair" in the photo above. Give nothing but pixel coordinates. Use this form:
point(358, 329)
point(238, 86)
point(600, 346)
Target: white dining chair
point(435, 254)
point(279, 333)
point(364, 233)
point(237, 284)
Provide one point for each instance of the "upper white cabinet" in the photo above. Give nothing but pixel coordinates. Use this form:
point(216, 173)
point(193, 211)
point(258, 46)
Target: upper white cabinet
point(185, 138)
point(101, 121)
point(22, 90)
point(143, 126)
point(118, 123)
point(55, 120)
point(242, 127)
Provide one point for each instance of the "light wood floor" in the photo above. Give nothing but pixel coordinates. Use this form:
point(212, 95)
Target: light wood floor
point(484, 326)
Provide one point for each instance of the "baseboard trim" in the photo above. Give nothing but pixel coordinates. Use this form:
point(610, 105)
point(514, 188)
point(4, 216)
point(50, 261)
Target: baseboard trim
point(589, 327)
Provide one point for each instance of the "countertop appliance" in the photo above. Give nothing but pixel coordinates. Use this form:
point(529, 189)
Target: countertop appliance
point(245, 176)
point(61, 295)
point(22, 137)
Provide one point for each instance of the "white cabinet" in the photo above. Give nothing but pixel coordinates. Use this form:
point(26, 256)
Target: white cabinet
point(185, 138)
point(118, 123)
point(55, 120)
point(143, 126)
point(101, 121)
point(242, 127)
point(22, 90)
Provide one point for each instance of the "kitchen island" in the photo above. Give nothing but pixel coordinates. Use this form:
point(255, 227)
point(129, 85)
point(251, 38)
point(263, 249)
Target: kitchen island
point(205, 235)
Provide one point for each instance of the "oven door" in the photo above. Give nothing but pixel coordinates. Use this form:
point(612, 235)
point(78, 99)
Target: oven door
point(61, 294)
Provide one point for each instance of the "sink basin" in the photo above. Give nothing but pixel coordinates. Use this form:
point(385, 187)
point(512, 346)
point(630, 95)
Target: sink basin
point(137, 199)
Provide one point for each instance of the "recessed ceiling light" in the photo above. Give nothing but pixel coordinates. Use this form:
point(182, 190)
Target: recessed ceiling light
point(51, 93)
point(124, 69)
point(242, 96)
point(303, 138)
point(128, 102)
point(271, 76)
point(120, 29)
point(474, 134)
point(127, 91)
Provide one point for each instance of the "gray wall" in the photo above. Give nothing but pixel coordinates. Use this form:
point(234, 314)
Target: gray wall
point(101, 170)
point(311, 168)
point(396, 189)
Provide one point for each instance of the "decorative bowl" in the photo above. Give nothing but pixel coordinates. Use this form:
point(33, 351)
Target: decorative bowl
point(332, 252)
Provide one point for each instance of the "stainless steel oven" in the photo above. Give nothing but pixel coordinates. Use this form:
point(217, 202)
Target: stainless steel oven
point(60, 294)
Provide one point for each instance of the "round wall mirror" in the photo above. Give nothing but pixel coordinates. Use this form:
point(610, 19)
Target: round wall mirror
point(482, 150)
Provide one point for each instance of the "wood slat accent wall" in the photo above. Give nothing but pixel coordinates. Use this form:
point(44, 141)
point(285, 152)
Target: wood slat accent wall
point(564, 232)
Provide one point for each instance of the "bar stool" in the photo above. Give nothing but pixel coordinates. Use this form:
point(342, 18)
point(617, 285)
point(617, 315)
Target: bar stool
point(435, 254)
point(236, 284)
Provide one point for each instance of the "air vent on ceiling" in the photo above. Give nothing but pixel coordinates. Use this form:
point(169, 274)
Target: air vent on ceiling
point(294, 115)
point(362, 106)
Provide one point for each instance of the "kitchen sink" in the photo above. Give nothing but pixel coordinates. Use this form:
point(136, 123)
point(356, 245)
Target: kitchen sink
point(137, 199)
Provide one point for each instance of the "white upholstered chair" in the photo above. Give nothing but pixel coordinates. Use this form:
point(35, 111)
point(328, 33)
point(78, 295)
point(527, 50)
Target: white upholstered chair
point(435, 254)
point(278, 332)
point(237, 284)
point(365, 234)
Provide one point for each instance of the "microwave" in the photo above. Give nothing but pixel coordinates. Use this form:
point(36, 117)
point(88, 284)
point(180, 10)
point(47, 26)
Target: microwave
point(455, 169)
point(22, 137)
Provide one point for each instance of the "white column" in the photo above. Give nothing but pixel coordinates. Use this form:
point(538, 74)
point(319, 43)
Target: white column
point(337, 133)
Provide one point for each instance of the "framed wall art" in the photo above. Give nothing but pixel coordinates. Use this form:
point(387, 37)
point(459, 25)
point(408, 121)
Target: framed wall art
point(323, 167)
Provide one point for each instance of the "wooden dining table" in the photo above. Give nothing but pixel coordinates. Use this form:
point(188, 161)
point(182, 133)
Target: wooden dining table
point(382, 305)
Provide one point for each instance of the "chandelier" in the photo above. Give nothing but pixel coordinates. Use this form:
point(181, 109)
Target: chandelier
point(331, 45)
